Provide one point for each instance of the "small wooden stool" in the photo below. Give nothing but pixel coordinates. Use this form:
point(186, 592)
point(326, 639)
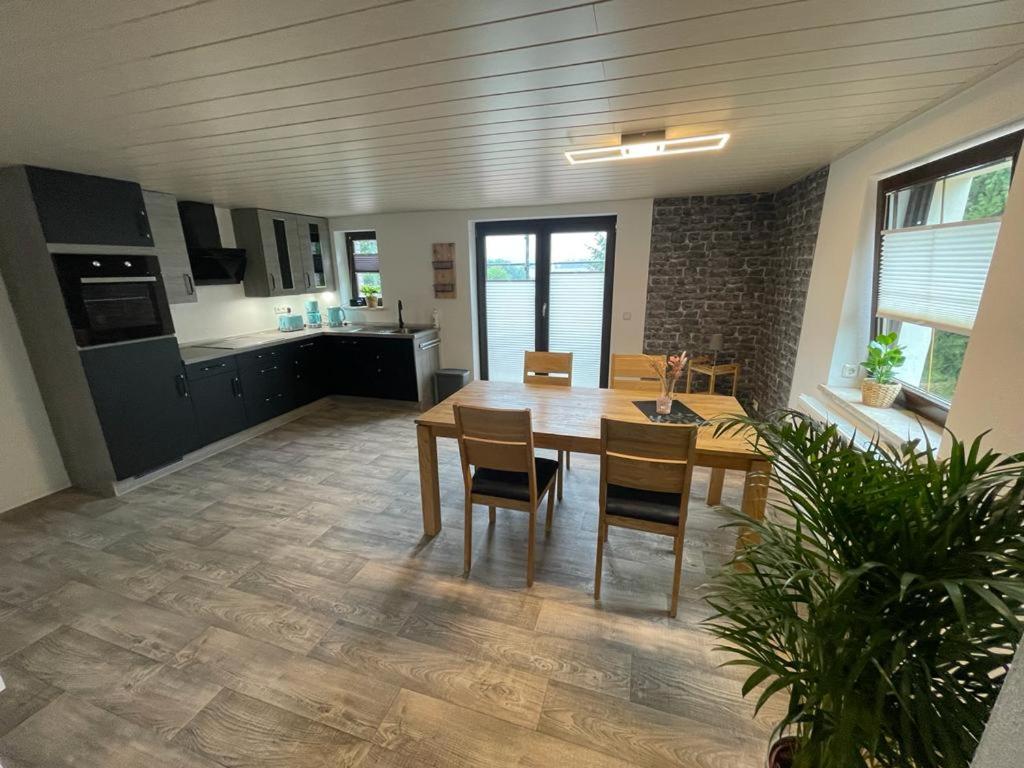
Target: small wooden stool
point(713, 371)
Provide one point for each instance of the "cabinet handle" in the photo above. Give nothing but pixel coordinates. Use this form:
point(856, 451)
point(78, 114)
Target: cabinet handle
point(273, 282)
point(430, 344)
point(143, 225)
point(236, 387)
point(268, 370)
point(190, 287)
point(211, 367)
point(307, 344)
point(308, 283)
point(180, 385)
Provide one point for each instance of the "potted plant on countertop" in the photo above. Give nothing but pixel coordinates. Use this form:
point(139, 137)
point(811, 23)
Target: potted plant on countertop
point(880, 388)
point(882, 596)
point(370, 292)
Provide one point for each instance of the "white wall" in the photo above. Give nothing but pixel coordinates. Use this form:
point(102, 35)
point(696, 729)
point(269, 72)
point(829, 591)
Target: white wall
point(405, 240)
point(837, 314)
point(30, 462)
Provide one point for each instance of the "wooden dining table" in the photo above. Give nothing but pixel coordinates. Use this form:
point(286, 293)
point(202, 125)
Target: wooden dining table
point(569, 419)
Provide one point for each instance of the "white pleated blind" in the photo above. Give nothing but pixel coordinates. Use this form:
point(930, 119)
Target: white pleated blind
point(576, 322)
point(511, 309)
point(934, 275)
point(366, 262)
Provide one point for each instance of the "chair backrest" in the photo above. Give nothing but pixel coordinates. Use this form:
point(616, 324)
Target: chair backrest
point(647, 456)
point(633, 372)
point(552, 369)
point(495, 438)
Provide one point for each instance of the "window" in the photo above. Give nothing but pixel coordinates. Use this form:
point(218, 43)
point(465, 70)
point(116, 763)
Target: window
point(937, 229)
point(363, 261)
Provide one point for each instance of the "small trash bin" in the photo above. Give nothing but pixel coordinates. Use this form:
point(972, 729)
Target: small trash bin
point(448, 381)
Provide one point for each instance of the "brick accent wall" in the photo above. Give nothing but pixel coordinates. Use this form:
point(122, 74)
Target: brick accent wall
point(798, 213)
point(736, 265)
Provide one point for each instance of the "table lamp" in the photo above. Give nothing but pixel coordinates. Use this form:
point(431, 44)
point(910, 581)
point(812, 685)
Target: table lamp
point(715, 345)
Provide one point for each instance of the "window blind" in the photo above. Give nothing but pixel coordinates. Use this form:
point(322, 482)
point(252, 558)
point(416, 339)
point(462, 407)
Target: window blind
point(366, 262)
point(934, 275)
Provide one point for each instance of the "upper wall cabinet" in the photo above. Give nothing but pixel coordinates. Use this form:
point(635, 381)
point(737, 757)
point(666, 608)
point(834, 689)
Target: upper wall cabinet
point(283, 258)
point(169, 239)
point(89, 210)
point(317, 257)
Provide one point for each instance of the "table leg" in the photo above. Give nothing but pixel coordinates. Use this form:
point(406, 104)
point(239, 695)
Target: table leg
point(430, 489)
point(715, 484)
point(755, 496)
point(755, 489)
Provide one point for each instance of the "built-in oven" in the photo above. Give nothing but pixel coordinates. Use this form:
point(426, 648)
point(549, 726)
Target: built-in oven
point(113, 298)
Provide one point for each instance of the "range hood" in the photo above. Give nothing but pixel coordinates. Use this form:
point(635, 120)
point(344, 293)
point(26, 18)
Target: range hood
point(211, 264)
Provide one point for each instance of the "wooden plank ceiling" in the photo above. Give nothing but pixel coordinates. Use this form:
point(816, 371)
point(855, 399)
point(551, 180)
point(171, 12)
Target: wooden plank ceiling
point(349, 106)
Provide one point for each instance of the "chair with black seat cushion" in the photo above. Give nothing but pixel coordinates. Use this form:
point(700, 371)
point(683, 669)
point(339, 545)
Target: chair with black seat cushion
point(498, 445)
point(550, 369)
point(645, 485)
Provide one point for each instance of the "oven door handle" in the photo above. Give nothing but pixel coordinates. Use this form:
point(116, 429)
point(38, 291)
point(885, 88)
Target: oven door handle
point(100, 280)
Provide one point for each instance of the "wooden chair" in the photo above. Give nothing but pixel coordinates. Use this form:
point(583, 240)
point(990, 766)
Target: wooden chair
point(712, 370)
point(550, 369)
point(707, 366)
point(645, 485)
point(498, 443)
point(633, 372)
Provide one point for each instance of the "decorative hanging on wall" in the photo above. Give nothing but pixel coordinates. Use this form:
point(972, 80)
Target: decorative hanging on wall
point(444, 270)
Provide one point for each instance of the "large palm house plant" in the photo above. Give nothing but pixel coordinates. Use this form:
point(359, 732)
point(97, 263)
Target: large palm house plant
point(881, 597)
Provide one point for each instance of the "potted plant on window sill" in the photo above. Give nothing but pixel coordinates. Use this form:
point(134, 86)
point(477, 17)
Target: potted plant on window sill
point(880, 388)
point(881, 598)
point(370, 292)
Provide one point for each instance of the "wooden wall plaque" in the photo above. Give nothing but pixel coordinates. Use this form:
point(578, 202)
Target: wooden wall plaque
point(444, 270)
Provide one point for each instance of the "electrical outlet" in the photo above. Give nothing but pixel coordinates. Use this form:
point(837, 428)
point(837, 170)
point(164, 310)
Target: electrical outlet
point(282, 309)
point(850, 370)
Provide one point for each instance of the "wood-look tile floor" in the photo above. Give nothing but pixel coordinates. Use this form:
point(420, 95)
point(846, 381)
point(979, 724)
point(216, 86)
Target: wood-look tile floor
point(277, 605)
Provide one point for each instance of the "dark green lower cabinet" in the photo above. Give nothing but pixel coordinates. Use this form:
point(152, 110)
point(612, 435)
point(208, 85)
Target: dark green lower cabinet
point(368, 367)
point(143, 403)
point(268, 390)
point(309, 371)
point(219, 407)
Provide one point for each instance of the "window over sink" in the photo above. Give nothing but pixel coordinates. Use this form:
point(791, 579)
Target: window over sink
point(363, 262)
point(937, 230)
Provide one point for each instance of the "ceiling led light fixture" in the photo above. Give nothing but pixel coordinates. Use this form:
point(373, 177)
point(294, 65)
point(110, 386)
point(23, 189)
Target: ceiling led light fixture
point(648, 144)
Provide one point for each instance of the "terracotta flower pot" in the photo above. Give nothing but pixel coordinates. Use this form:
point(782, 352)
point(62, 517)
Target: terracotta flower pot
point(782, 752)
point(879, 395)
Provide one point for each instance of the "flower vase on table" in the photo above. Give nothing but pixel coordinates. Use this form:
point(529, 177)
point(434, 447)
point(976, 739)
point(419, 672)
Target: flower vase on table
point(668, 369)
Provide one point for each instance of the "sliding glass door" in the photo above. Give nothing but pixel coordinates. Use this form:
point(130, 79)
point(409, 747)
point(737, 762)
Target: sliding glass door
point(545, 284)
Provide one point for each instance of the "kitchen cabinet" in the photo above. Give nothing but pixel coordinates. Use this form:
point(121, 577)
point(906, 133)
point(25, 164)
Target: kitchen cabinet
point(169, 241)
point(309, 371)
point(268, 383)
point(216, 390)
point(143, 402)
point(345, 364)
point(273, 251)
point(317, 256)
point(89, 210)
point(374, 367)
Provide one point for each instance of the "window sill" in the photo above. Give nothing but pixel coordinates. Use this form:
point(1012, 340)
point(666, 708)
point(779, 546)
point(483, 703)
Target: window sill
point(893, 425)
